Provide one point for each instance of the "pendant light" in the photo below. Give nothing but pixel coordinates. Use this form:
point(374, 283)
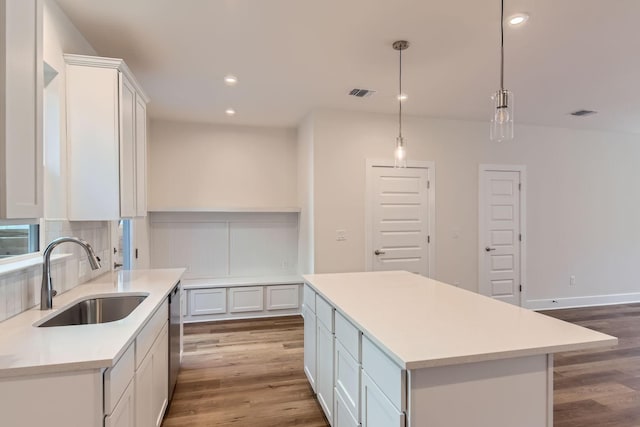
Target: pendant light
point(400, 153)
point(502, 117)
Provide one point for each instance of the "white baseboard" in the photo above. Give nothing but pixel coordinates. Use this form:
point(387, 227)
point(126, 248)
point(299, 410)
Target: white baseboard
point(588, 301)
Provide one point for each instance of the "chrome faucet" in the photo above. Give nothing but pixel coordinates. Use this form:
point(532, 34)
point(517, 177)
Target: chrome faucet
point(47, 293)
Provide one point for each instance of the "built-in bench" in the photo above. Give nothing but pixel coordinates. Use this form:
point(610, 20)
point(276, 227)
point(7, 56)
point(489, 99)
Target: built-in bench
point(241, 297)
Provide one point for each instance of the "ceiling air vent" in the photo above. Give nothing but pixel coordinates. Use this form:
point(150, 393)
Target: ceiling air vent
point(361, 93)
point(583, 113)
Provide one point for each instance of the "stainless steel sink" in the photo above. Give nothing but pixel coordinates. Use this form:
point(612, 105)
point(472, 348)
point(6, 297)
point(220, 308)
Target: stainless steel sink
point(96, 310)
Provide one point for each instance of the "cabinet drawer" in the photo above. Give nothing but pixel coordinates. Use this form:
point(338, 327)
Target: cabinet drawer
point(324, 311)
point(309, 298)
point(343, 417)
point(389, 377)
point(282, 297)
point(148, 335)
point(377, 410)
point(123, 414)
point(246, 299)
point(348, 335)
point(347, 379)
point(207, 301)
point(117, 378)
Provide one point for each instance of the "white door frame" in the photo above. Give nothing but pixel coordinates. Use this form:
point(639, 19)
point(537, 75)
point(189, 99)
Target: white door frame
point(368, 215)
point(482, 287)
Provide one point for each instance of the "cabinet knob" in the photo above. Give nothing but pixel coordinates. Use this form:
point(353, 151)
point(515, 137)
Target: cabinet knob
point(379, 252)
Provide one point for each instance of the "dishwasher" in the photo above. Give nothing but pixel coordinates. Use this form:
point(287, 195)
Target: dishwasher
point(174, 337)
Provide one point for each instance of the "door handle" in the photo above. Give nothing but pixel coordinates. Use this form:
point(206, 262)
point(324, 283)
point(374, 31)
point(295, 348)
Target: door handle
point(116, 265)
point(488, 249)
point(379, 252)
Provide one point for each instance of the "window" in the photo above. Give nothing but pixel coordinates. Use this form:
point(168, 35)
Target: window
point(19, 240)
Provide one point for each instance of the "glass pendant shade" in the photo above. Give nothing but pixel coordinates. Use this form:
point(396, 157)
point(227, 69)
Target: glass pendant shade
point(502, 118)
point(400, 153)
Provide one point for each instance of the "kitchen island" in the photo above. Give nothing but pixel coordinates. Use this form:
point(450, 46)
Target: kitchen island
point(397, 349)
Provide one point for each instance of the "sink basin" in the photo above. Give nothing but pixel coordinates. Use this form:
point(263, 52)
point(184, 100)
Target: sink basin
point(96, 310)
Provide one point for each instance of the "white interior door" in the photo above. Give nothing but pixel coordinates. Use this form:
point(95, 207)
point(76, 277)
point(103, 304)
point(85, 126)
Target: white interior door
point(500, 235)
point(399, 217)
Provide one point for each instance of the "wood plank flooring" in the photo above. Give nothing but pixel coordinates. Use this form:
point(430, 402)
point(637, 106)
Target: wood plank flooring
point(600, 388)
point(249, 373)
point(244, 373)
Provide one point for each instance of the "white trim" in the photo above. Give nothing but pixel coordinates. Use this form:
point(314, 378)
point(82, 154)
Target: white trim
point(230, 209)
point(586, 301)
point(522, 169)
point(368, 221)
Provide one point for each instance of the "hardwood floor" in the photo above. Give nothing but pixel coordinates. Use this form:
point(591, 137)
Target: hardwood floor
point(600, 388)
point(249, 373)
point(244, 373)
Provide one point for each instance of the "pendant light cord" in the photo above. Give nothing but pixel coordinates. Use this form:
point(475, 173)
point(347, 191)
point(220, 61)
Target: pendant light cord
point(502, 45)
point(400, 99)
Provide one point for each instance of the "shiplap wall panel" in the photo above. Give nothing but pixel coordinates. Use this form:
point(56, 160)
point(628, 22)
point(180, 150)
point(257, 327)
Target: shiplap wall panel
point(200, 247)
point(262, 248)
point(219, 244)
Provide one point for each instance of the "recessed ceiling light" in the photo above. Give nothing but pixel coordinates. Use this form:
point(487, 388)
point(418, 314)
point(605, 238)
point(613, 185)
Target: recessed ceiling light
point(402, 97)
point(230, 112)
point(518, 19)
point(230, 80)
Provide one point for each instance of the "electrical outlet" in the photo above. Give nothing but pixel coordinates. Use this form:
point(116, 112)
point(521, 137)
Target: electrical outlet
point(572, 281)
point(341, 235)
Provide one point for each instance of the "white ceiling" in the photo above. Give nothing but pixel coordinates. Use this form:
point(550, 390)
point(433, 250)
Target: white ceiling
point(292, 56)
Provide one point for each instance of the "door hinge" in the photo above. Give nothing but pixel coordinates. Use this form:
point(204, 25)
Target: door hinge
point(520, 237)
point(520, 288)
point(428, 239)
point(428, 185)
point(520, 186)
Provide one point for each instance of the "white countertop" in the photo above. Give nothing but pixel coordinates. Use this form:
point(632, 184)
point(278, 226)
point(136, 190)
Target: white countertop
point(28, 350)
point(223, 282)
point(424, 323)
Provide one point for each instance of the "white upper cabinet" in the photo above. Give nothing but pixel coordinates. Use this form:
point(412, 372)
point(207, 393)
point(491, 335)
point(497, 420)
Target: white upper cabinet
point(21, 93)
point(106, 131)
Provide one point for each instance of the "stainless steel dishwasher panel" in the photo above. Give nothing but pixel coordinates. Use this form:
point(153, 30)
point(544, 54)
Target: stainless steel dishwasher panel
point(174, 337)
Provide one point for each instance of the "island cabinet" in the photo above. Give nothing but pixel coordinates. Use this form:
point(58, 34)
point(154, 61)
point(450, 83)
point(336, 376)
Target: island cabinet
point(21, 94)
point(107, 139)
point(438, 356)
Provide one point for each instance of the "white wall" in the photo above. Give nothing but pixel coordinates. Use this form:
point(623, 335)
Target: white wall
point(582, 205)
point(305, 195)
point(215, 166)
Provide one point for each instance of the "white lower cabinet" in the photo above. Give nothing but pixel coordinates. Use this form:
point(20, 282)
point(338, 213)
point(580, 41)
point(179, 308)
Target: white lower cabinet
point(249, 298)
point(151, 383)
point(377, 409)
point(310, 345)
point(347, 379)
point(207, 301)
point(324, 379)
point(342, 415)
point(124, 414)
point(356, 383)
point(222, 302)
